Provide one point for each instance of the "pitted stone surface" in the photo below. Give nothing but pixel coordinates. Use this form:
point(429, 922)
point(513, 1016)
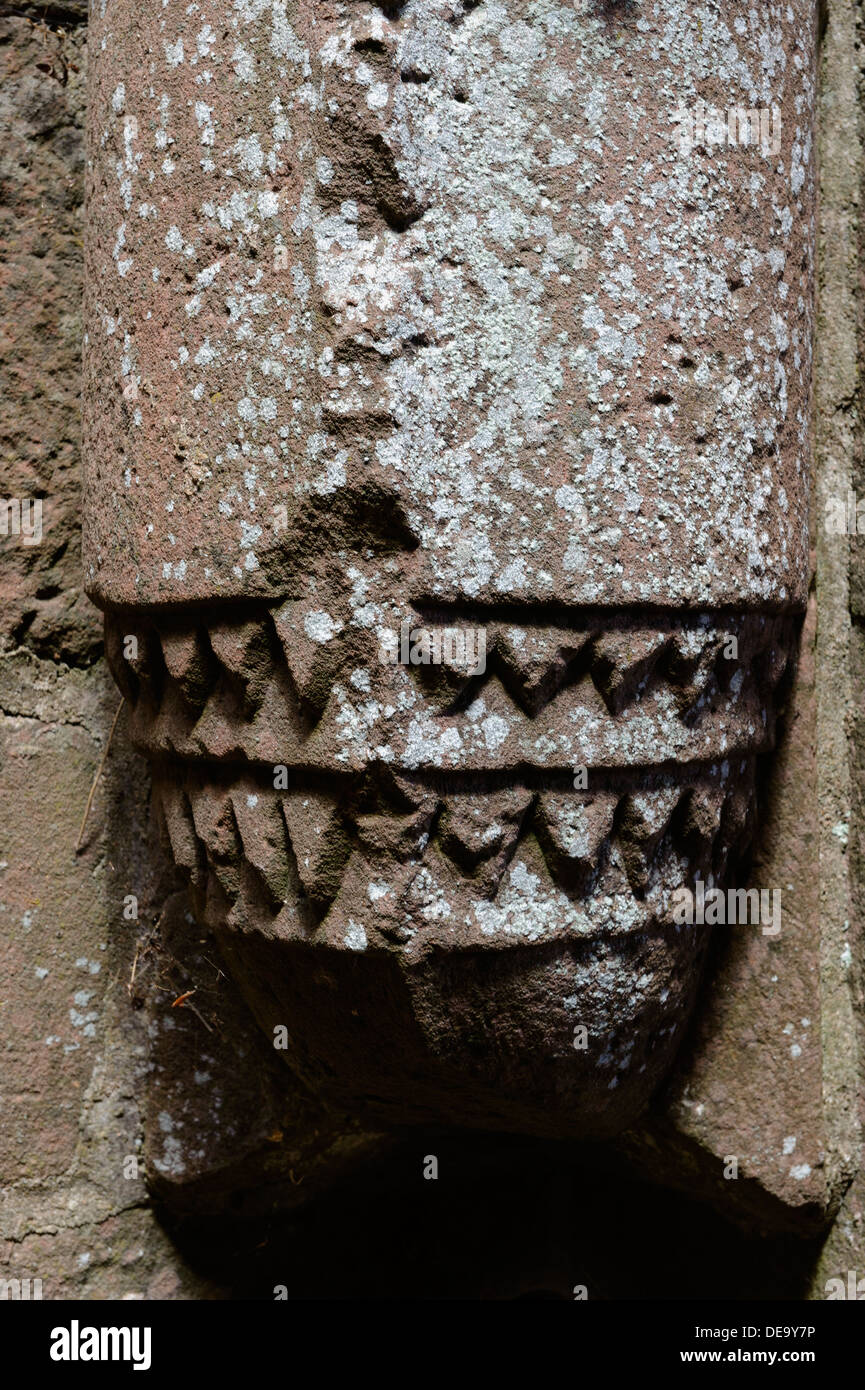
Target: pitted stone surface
point(750, 1086)
point(42, 97)
point(454, 267)
point(429, 313)
point(259, 688)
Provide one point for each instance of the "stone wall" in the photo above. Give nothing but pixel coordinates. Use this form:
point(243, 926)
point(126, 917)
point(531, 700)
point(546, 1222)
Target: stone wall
point(73, 1049)
point(94, 1199)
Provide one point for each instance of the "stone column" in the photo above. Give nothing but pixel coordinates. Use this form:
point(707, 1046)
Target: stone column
point(448, 433)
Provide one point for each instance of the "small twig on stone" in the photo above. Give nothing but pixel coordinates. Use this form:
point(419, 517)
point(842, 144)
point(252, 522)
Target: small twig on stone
point(220, 973)
point(96, 778)
point(134, 968)
point(199, 1016)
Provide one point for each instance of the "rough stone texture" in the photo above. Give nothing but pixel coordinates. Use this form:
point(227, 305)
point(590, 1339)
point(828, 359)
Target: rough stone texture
point(42, 82)
point(607, 861)
point(767, 1074)
point(68, 1214)
point(840, 467)
point(72, 1051)
point(336, 266)
point(327, 240)
point(73, 1205)
point(222, 1114)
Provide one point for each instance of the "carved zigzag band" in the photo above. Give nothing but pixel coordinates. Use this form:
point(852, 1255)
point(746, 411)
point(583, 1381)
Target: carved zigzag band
point(257, 688)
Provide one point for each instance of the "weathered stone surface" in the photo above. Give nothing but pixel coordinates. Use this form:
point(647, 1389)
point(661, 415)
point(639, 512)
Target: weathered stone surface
point(747, 1117)
point(447, 267)
point(42, 81)
point(68, 1215)
point(72, 1200)
point(223, 1116)
point(430, 312)
point(752, 1086)
point(592, 697)
point(73, 1213)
